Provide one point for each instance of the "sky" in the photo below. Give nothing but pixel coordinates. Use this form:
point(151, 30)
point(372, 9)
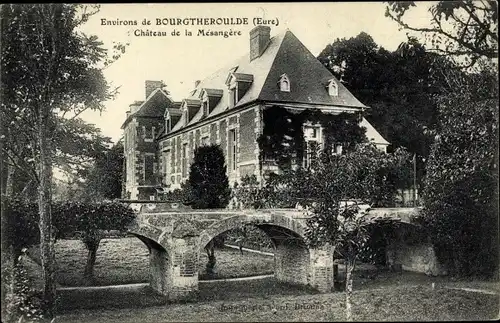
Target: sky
point(181, 60)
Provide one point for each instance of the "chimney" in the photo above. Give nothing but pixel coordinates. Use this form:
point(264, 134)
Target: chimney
point(259, 39)
point(196, 83)
point(153, 85)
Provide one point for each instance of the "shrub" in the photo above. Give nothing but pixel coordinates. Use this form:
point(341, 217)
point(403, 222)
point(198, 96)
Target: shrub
point(86, 220)
point(208, 185)
point(25, 303)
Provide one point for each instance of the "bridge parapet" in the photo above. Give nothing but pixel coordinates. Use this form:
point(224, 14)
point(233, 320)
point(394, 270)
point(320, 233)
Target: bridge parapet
point(403, 214)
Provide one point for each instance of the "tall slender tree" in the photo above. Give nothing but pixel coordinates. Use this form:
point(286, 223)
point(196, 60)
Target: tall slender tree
point(49, 70)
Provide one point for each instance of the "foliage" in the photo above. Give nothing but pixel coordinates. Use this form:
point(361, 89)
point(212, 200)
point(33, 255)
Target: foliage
point(466, 29)
point(22, 221)
point(333, 190)
point(378, 178)
point(49, 70)
point(88, 221)
point(461, 195)
point(273, 194)
point(105, 178)
point(398, 86)
point(25, 304)
point(208, 183)
point(282, 138)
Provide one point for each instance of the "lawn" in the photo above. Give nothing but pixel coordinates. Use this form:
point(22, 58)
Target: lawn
point(125, 261)
point(267, 300)
point(378, 295)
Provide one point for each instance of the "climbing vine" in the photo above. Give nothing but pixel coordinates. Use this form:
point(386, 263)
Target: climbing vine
point(282, 138)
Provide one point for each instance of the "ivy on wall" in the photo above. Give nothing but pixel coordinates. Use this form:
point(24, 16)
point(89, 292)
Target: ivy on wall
point(282, 138)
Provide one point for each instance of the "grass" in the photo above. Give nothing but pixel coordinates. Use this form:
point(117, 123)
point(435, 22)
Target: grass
point(125, 261)
point(266, 300)
point(378, 295)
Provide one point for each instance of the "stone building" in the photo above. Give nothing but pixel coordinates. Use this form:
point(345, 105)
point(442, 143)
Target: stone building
point(226, 108)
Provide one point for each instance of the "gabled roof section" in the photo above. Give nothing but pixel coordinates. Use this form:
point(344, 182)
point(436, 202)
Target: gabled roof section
point(372, 134)
point(154, 106)
point(211, 92)
point(308, 76)
point(192, 102)
point(173, 112)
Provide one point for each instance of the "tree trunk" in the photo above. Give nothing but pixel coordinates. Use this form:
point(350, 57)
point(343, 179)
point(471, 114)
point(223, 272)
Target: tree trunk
point(44, 208)
point(8, 282)
point(9, 181)
point(211, 258)
point(89, 267)
point(348, 293)
point(350, 263)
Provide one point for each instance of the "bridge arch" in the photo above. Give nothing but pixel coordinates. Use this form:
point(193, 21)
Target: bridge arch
point(292, 257)
point(264, 221)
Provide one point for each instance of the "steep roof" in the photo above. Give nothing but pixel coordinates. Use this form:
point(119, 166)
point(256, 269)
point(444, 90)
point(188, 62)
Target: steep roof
point(154, 106)
point(308, 78)
point(285, 54)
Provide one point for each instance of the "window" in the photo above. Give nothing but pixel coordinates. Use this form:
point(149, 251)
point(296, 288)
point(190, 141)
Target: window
point(153, 133)
point(311, 133)
point(284, 83)
point(312, 136)
point(167, 126)
point(184, 160)
point(232, 149)
point(311, 154)
point(205, 108)
point(166, 167)
point(233, 96)
point(333, 89)
point(148, 169)
point(337, 149)
point(205, 141)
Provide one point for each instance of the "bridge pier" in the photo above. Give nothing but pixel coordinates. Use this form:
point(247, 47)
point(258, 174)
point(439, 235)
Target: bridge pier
point(296, 264)
point(175, 274)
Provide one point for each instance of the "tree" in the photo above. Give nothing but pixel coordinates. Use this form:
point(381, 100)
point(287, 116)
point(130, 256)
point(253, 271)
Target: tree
point(461, 186)
point(49, 69)
point(105, 178)
point(460, 196)
point(398, 86)
point(334, 181)
point(76, 145)
point(95, 218)
point(459, 29)
point(208, 182)
point(208, 188)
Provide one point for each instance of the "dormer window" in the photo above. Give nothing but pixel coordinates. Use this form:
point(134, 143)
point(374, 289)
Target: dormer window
point(205, 108)
point(284, 83)
point(238, 84)
point(333, 88)
point(233, 96)
point(168, 125)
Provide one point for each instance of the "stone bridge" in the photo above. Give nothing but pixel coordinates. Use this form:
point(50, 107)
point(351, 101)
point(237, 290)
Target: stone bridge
point(175, 239)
